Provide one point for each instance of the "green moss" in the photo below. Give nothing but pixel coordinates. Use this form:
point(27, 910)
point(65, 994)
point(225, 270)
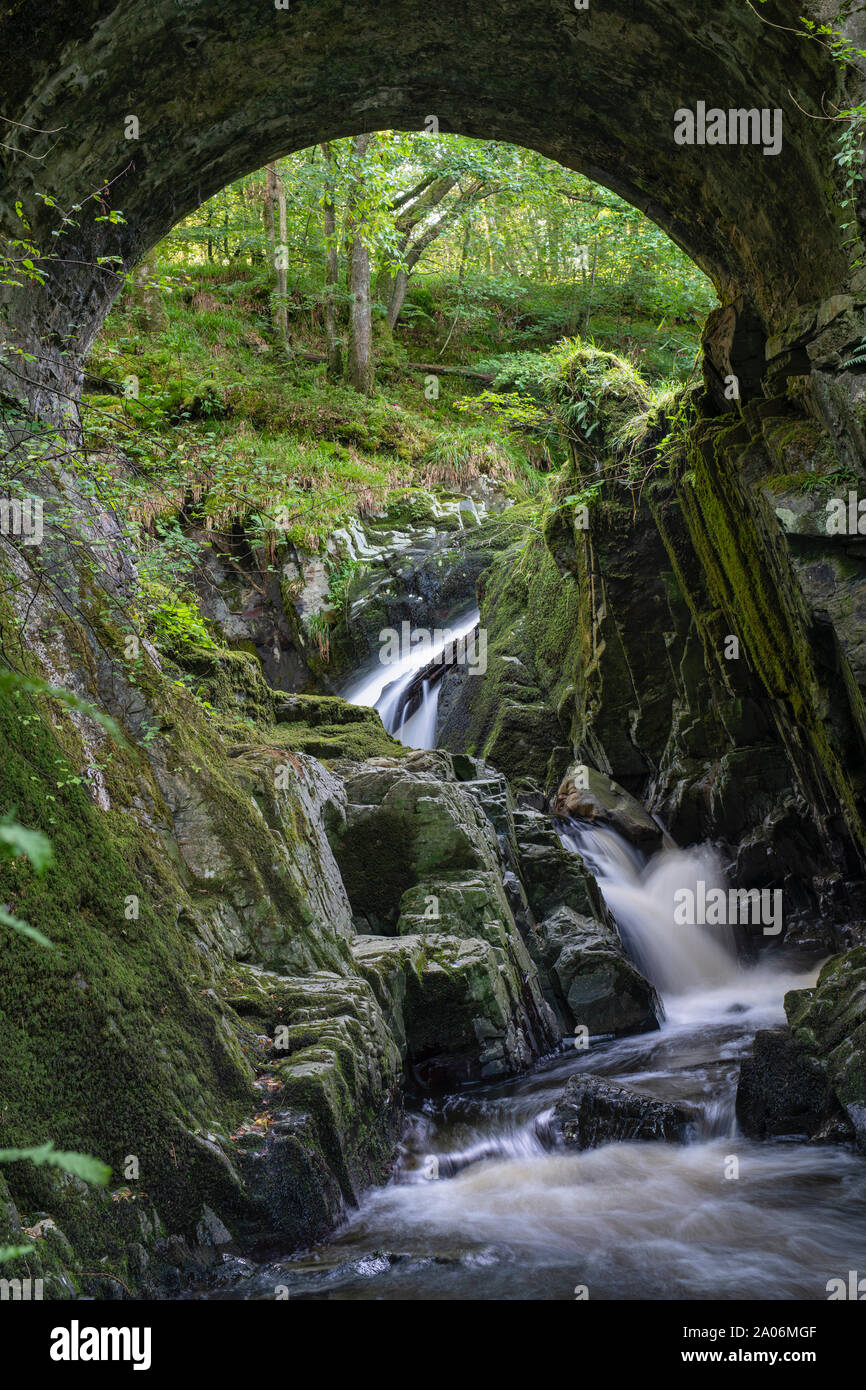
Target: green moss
point(329, 728)
point(829, 1021)
point(751, 590)
point(109, 1044)
point(518, 715)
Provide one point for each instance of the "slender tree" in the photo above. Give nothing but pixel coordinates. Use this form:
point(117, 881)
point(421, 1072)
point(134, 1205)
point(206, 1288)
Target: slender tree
point(359, 366)
point(332, 270)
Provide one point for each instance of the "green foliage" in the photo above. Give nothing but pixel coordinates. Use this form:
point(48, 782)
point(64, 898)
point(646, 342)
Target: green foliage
point(175, 620)
point(852, 120)
point(17, 842)
point(517, 248)
point(168, 559)
point(525, 374)
point(318, 628)
point(20, 684)
point(13, 1252)
point(341, 576)
point(858, 357)
point(92, 1170)
point(596, 395)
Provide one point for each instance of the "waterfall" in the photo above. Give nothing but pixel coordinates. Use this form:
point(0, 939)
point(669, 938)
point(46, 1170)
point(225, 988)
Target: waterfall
point(678, 959)
point(408, 701)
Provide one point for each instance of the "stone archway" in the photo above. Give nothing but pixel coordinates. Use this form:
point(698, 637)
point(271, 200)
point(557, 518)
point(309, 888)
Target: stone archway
point(217, 90)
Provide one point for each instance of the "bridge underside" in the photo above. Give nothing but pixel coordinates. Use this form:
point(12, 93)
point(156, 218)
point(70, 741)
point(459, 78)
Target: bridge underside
point(219, 89)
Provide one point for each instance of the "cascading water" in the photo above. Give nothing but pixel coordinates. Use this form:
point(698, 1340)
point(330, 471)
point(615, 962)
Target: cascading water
point(479, 1208)
point(677, 959)
point(408, 706)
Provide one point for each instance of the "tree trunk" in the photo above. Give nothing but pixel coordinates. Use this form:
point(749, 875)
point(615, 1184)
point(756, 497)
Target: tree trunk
point(283, 268)
point(359, 367)
point(591, 286)
point(425, 198)
point(275, 197)
point(268, 206)
point(332, 273)
point(397, 296)
point(146, 298)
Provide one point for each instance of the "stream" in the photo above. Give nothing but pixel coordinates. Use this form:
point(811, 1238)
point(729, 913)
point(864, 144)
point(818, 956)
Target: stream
point(479, 1208)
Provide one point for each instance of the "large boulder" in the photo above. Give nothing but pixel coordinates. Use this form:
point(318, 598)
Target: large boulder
point(593, 1111)
point(600, 987)
point(457, 1006)
point(585, 794)
point(403, 821)
point(554, 876)
point(783, 1092)
point(829, 1023)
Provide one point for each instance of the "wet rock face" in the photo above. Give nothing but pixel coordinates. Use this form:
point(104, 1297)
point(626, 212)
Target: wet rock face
point(222, 97)
point(829, 1024)
point(592, 1112)
point(554, 876)
point(783, 1092)
point(419, 567)
point(700, 645)
point(459, 1007)
point(590, 981)
point(336, 1079)
point(424, 866)
point(601, 988)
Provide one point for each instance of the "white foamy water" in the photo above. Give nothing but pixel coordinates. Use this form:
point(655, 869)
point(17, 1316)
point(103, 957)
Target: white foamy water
point(385, 687)
point(677, 958)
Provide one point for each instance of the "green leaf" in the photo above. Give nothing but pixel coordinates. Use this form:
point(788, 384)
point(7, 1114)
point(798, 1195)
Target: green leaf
point(92, 1170)
point(12, 1252)
point(17, 841)
point(24, 929)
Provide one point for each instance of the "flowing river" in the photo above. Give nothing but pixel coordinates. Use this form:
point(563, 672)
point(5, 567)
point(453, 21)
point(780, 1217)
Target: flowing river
point(479, 1208)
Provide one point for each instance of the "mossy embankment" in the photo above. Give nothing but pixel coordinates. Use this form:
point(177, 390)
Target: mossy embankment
point(180, 843)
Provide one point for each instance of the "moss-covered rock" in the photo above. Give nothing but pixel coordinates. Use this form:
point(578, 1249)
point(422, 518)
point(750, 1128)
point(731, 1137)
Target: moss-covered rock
point(458, 1003)
point(829, 1024)
point(783, 1092)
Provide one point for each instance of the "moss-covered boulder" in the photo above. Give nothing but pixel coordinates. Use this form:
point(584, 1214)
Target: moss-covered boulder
point(458, 1004)
point(332, 1078)
point(829, 1024)
point(410, 818)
